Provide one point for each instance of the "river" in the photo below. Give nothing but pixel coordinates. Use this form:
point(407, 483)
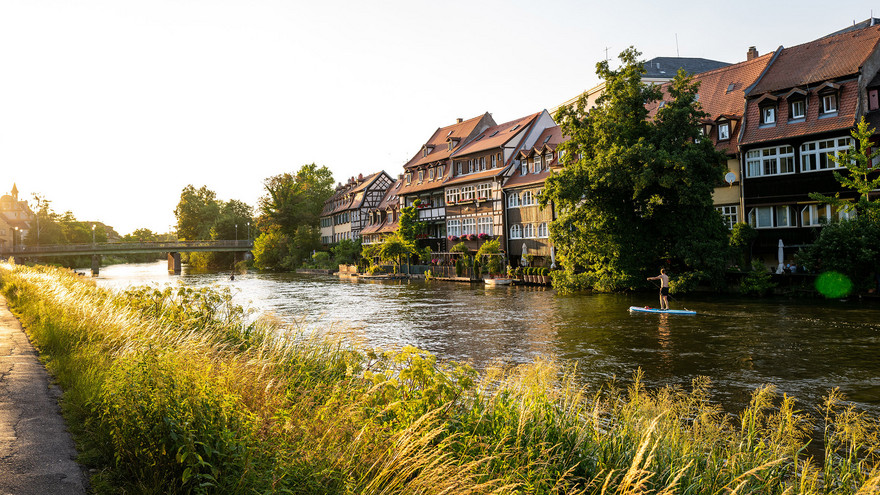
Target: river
point(804, 347)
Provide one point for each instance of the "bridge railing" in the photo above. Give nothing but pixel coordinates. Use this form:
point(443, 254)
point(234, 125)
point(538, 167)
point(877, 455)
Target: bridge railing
point(169, 246)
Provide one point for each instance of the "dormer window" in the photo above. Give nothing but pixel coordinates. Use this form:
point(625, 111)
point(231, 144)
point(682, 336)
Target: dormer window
point(829, 103)
point(449, 146)
point(548, 158)
point(768, 115)
point(873, 99)
point(797, 109)
point(459, 168)
point(537, 167)
point(524, 166)
point(421, 175)
point(494, 161)
point(440, 171)
point(431, 173)
point(408, 178)
point(724, 131)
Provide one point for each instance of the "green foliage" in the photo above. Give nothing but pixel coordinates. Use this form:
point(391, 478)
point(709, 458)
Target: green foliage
point(346, 251)
point(635, 193)
point(409, 227)
point(490, 254)
point(293, 200)
point(201, 216)
point(321, 260)
point(196, 212)
point(461, 247)
point(394, 250)
point(851, 247)
point(742, 235)
point(272, 251)
point(757, 282)
point(860, 175)
point(173, 391)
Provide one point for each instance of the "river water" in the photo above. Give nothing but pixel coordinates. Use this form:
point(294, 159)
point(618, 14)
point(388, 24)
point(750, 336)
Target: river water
point(804, 347)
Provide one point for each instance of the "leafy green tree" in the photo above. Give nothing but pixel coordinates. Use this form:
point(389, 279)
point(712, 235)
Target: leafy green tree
point(634, 193)
point(196, 213)
point(490, 254)
point(271, 249)
point(409, 226)
point(47, 228)
point(346, 251)
point(394, 249)
point(741, 238)
point(860, 176)
point(851, 247)
point(293, 200)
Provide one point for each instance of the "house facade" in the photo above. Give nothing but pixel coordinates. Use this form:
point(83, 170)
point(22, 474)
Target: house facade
point(801, 110)
point(345, 214)
point(382, 220)
point(528, 225)
point(425, 175)
point(16, 219)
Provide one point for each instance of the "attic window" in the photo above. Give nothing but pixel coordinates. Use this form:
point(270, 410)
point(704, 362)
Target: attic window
point(449, 134)
point(724, 131)
point(730, 87)
point(496, 132)
point(515, 128)
point(546, 139)
point(662, 104)
point(480, 137)
point(449, 146)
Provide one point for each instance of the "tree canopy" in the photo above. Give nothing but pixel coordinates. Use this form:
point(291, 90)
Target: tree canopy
point(293, 200)
point(635, 193)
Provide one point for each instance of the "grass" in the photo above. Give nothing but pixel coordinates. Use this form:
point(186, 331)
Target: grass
point(179, 391)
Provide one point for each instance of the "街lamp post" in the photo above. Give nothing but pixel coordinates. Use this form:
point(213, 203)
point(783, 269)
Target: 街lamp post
point(93, 233)
point(236, 232)
point(249, 230)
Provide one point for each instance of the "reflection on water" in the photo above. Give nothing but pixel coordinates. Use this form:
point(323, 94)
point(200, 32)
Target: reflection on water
point(803, 347)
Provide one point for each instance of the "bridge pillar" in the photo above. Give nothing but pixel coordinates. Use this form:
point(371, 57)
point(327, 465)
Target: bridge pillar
point(174, 263)
point(96, 264)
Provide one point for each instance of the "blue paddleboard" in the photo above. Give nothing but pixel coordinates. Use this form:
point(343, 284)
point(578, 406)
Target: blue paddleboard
point(666, 311)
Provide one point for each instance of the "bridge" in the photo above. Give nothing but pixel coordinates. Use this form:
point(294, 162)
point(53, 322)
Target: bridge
point(96, 250)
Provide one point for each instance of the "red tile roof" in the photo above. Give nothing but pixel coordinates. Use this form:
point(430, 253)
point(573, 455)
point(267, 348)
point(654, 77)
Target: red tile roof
point(827, 58)
point(438, 143)
point(427, 184)
point(497, 135)
point(348, 189)
point(549, 139)
point(811, 124)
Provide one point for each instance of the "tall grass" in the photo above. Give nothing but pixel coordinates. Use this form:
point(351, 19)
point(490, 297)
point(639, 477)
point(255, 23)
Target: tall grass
point(179, 391)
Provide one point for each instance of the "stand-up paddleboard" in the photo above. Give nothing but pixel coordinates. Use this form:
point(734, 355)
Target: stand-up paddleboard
point(646, 309)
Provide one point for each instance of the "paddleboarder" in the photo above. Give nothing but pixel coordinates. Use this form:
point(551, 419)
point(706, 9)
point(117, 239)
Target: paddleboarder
point(664, 288)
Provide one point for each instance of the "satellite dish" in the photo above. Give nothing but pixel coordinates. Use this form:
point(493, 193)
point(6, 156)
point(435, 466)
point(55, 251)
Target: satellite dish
point(730, 177)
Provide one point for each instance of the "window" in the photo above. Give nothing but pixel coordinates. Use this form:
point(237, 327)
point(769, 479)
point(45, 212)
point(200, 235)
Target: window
point(408, 178)
point(873, 99)
point(542, 230)
point(814, 215)
point(467, 193)
point(723, 132)
point(494, 162)
point(513, 200)
point(431, 173)
point(729, 214)
point(815, 154)
point(768, 115)
point(528, 231)
point(770, 161)
point(459, 168)
point(548, 158)
point(451, 196)
point(440, 171)
point(469, 226)
point(829, 103)
point(797, 109)
point(524, 166)
point(453, 227)
point(484, 225)
point(482, 163)
point(421, 175)
point(765, 217)
point(527, 199)
point(484, 191)
point(537, 164)
point(844, 212)
point(516, 232)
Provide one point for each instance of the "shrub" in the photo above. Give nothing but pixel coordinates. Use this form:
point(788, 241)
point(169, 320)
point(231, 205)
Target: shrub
point(758, 281)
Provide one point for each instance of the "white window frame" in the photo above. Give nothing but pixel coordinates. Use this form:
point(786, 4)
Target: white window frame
point(484, 225)
point(524, 166)
point(494, 161)
point(528, 198)
point(453, 227)
point(459, 168)
point(516, 231)
point(783, 216)
point(482, 163)
point(536, 167)
point(484, 190)
point(467, 193)
point(768, 115)
point(452, 196)
point(723, 131)
point(802, 104)
point(812, 215)
point(765, 162)
point(548, 159)
point(777, 213)
point(755, 219)
point(730, 214)
point(813, 153)
point(421, 176)
point(513, 200)
point(830, 103)
point(469, 226)
point(528, 231)
point(543, 233)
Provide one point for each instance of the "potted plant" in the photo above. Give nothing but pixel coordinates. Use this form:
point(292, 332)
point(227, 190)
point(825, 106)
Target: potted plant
point(472, 237)
point(518, 273)
point(545, 276)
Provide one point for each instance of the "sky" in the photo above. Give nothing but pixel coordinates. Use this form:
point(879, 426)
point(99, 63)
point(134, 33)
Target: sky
point(109, 108)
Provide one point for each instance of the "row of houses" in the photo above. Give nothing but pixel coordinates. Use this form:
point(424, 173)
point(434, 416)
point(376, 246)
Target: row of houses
point(776, 117)
point(16, 218)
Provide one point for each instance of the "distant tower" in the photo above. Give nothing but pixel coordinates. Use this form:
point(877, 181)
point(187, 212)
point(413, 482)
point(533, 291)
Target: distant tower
point(14, 192)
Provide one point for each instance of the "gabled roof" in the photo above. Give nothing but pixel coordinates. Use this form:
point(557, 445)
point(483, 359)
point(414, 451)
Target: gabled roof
point(828, 58)
point(550, 138)
point(351, 189)
point(438, 142)
point(496, 136)
point(667, 67)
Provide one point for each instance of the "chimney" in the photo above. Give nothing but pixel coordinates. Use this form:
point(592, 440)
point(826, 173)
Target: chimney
point(458, 120)
point(752, 54)
point(400, 177)
point(360, 177)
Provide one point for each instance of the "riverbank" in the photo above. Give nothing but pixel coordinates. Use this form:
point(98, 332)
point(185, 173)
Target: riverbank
point(175, 390)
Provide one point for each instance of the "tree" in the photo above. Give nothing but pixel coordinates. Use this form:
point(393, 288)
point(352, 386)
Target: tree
point(409, 226)
point(393, 249)
point(196, 213)
point(346, 251)
point(490, 254)
point(635, 194)
point(861, 176)
point(271, 249)
point(293, 200)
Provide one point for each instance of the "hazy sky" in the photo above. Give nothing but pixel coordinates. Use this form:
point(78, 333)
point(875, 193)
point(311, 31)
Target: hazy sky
point(110, 108)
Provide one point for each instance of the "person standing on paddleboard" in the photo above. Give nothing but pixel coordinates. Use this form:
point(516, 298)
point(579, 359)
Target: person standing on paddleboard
point(664, 288)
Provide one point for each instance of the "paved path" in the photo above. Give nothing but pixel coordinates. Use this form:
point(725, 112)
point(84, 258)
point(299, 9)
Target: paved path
point(36, 451)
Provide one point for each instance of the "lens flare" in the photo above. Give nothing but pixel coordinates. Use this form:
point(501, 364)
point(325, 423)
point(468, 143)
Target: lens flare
point(834, 284)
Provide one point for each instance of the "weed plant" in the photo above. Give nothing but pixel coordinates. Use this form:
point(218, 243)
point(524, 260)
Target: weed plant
point(177, 390)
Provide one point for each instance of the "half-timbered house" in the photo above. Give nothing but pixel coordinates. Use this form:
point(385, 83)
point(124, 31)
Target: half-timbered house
point(345, 214)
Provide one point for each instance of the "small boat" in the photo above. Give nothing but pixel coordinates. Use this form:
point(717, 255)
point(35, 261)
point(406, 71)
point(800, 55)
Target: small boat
point(647, 309)
point(497, 281)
